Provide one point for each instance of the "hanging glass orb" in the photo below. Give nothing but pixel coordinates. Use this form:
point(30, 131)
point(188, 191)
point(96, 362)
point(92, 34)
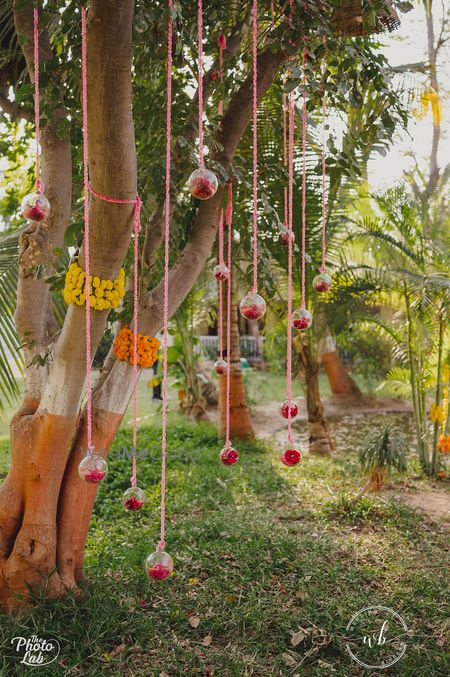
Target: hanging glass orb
point(93, 468)
point(229, 456)
point(221, 272)
point(290, 456)
point(159, 565)
point(289, 409)
point(133, 499)
point(252, 306)
point(203, 183)
point(35, 207)
point(220, 367)
point(284, 235)
point(301, 319)
point(322, 283)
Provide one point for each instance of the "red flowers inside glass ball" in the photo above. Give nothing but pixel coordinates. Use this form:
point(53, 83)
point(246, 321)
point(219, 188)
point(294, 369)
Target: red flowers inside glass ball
point(221, 272)
point(203, 183)
point(289, 409)
point(290, 456)
point(220, 367)
point(252, 306)
point(133, 499)
point(301, 319)
point(229, 456)
point(285, 235)
point(159, 565)
point(322, 283)
point(93, 468)
point(35, 207)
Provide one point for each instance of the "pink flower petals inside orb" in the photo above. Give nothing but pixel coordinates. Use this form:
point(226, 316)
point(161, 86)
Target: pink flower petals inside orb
point(290, 456)
point(221, 272)
point(229, 456)
point(322, 283)
point(93, 468)
point(220, 367)
point(252, 306)
point(133, 499)
point(301, 319)
point(203, 183)
point(35, 207)
point(284, 235)
point(159, 565)
point(289, 409)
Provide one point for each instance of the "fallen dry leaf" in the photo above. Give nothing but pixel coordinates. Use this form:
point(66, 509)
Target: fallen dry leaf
point(207, 641)
point(194, 621)
point(298, 637)
point(289, 660)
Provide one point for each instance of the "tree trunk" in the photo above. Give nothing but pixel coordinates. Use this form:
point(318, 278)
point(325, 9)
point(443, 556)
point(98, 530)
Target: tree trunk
point(320, 440)
point(240, 422)
point(341, 383)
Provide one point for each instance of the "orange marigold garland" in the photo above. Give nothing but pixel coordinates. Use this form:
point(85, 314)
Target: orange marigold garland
point(147, 348)
point(444, 444)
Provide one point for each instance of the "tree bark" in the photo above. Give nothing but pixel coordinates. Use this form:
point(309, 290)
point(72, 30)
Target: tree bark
point(341, 383)
point(320, 440)
point(42, 430)
point(240, 422)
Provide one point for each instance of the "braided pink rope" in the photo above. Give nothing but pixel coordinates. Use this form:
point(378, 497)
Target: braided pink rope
point(255, 147)
point(221, 260)
point(285, 190)
point(229, 222)
point(221, 41)
point(84, 100)
point(324, 112)
point(272, 11)
point(304, 185)
point(290, 245)
point(39, 184)
point(166, 278)
point(200, 82)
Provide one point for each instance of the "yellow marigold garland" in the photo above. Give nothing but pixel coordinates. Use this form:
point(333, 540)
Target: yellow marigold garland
point(147, 348)
point(104, 294)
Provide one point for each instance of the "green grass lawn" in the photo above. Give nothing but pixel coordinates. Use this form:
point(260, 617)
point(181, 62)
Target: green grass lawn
point(261, 551)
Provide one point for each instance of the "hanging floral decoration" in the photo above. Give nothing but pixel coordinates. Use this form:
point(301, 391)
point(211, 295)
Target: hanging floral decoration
point(104, 294)
point(147, 348)
point(444, 444)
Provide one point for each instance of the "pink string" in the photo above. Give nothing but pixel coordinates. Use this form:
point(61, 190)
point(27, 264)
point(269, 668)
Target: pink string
point(221, 261)
point(285, 190)
point(84, 100)
point(166, 277)
point(304, 184)
point(39, 184)
point(272, 11)
point(200, 82)
point(229, 222)
point(255, 147)
point(137, 227)
point(222, 44)
point(290, 246)
point(324, 106)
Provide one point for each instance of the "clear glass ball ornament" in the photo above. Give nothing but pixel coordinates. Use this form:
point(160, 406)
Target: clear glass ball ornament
point(203, 183)
point(159, 565)
point(252, 306)
point(284, 235)
point(221, 272)
point(133, 499)
point(301, 319)
point(35, 207)
point(93, 468)
point(220, 367)
point(229, 456)
point(288, 409)
point(290, 456)
point(322, 283)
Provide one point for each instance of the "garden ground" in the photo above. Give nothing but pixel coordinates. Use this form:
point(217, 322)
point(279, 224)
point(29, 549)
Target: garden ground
point(270, 564)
